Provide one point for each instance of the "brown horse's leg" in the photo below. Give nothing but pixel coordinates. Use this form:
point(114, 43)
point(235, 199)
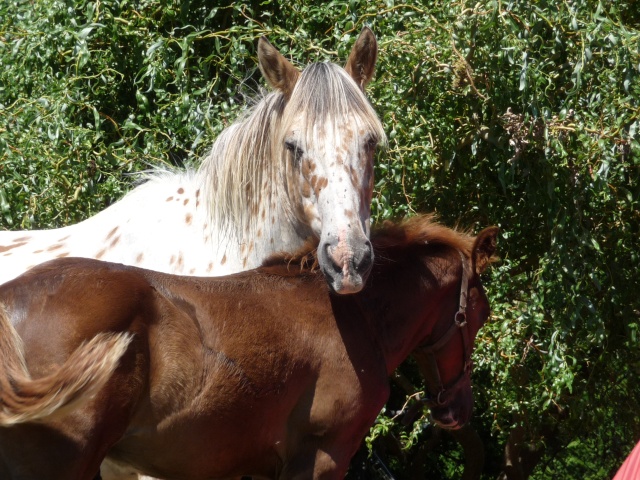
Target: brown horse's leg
point(69, 448)
point(37, 452)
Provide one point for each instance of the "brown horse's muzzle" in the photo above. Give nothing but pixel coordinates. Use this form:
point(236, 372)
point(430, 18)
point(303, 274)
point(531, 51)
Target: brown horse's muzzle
point(452, 409)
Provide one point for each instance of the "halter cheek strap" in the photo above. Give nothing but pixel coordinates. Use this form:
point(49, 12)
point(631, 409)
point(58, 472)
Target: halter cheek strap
point(426, 354)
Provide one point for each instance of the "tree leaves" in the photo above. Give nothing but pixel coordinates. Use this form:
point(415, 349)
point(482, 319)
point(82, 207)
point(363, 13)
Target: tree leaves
point(523, 115)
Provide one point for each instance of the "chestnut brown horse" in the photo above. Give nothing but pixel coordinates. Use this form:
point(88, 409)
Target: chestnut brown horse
point(265, 373)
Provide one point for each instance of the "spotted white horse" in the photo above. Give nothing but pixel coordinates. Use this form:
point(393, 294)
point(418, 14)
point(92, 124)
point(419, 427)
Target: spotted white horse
point(298, 165)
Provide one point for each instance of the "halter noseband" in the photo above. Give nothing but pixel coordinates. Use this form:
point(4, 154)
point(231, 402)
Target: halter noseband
point(430, 350)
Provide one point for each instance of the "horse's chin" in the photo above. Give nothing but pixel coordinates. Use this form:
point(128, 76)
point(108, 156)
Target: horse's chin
point(447, 426)
point(347, 284)
point(453, 416)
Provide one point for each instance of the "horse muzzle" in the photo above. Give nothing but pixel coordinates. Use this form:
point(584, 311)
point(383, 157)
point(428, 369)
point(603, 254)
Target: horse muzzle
point(346, 264)
point(453, 411)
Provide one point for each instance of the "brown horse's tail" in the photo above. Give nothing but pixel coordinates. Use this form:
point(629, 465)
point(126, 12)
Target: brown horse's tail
point(83, 374)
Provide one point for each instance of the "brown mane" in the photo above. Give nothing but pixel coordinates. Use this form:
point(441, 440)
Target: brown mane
point(306, 258)
point(419, 230)
point(388, 235)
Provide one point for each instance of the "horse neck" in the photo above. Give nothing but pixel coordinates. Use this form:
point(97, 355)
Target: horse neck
point(246, 190)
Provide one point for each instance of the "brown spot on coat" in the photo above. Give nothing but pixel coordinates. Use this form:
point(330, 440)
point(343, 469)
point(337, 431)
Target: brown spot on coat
point(101, 253)
point(309, 212)
point(210, 267)
point(112, 233)
point(26, 238)
point(139, 258)
point(224, 259)
point(10, 247)
point(172, 260)
point(188, 218)
point(306, 168)
point(318, 183)
point(169, 198)
point(348, 137)
point(62, 255)
point(322, 183)
point(57, 246)
point(186, 200)
point(181, 190)
point(114, 242)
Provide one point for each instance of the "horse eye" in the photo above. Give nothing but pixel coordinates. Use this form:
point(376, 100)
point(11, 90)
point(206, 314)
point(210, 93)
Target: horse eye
point(294, 149)
point(371, 143)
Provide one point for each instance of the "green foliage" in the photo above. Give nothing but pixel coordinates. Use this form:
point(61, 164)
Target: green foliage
point(521, 114)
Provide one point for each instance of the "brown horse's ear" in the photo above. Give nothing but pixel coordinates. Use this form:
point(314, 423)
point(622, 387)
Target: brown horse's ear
point(362, 59)
point(484, 249)
point(277, 70)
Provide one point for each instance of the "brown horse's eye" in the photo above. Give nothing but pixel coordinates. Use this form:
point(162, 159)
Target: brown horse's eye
point(371, 144)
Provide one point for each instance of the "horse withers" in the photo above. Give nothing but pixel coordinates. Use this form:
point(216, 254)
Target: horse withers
point(266, 373)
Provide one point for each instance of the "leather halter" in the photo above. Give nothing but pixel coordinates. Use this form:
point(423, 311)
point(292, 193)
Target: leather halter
point(429, 350)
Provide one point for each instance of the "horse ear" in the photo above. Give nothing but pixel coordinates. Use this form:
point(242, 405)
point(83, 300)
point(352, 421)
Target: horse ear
point(362, 60)
point(484, 249)
point(277, 70)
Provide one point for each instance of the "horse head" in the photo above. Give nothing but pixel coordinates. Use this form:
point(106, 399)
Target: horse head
point(445, 361)
point(327, 138)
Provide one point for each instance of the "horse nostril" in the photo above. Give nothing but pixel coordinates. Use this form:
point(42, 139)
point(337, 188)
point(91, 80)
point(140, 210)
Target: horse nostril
point(365, 260)
point(329, 250)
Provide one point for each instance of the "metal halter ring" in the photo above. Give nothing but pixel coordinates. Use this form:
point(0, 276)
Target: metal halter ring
point(460, 318)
